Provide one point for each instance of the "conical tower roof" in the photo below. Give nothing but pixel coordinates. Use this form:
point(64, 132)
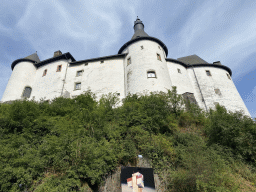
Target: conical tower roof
point(140, 34)
point(139, 29)
point(33, 57)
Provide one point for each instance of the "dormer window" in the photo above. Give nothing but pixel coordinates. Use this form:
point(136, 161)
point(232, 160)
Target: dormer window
point(58, 68)
point(45, 71)
point(158, 57)
point(151, 74)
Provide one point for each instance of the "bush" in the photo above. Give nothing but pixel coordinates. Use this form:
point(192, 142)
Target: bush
point(233, 130)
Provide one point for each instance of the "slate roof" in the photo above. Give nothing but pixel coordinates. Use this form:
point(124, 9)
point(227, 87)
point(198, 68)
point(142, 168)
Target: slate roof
point(33, 57)
point(192, 59)
point(140, 34)
point(195, 61)
point(139, 29)
point(98, 58)
point(35, 60)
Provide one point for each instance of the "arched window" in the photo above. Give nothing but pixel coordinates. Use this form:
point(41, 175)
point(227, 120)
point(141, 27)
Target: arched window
point(27, 92)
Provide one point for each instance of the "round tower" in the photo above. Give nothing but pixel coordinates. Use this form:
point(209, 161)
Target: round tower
point(145, 64)
point(22, 79)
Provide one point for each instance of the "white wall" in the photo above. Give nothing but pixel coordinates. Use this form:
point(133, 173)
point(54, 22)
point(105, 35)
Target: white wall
point(23, 75)
point(180, 80)
point(50, 85)
point(101, 78)
point(143, 60)
point(230, 98)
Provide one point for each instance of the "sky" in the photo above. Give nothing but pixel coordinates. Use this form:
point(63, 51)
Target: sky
point(220, 30)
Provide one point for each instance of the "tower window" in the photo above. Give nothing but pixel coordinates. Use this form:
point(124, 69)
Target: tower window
point(217, 91)
point(129, 61)
point(45, 71)
point(208, 73)
point(27, 92)
point(151, 74)
point(141, 47)
point(101, 61)
point(158, 57)
point(179, 71)
point(79, 73)
point(229, 76)
point(58, 68)
point(159, 47)
point(78, 86)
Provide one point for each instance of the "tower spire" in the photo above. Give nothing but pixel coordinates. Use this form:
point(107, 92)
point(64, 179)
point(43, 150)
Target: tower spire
point(139, 29)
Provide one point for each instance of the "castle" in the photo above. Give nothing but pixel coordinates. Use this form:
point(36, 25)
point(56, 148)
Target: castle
point(141, 64)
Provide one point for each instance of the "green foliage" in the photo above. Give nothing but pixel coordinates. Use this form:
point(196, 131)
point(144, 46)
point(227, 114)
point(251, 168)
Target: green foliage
point(233, 130)
point(73, 144)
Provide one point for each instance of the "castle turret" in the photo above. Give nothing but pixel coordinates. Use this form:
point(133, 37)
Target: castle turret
point(21, 81)
point(145, 64)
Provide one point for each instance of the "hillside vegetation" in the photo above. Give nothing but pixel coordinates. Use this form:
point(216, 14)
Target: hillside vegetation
point(74, 144)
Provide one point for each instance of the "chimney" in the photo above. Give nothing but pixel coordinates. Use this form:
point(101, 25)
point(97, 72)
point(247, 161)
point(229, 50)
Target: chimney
point(217, 63)
point(57, 53)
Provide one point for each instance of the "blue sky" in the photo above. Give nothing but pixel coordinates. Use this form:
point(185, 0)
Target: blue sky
point(214, 30)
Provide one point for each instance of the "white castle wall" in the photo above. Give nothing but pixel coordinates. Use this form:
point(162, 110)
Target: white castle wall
point(101, 78)
point(229, 97)
point(180, 80)
point(50, 85)
point(143, 60)
point(197, 93)
point(22, 75)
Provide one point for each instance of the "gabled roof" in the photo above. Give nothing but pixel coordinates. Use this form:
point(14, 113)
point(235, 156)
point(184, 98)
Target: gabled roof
point(192, 59)
point(195, 61)
point(34, 59)
point(64, 56)
point(98, 58)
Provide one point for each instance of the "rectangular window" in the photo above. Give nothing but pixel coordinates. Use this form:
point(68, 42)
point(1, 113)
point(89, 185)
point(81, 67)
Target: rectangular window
point(158, 57)
point(27, 92)
point(78, 86)
point(159, 47)
point(58, 68)
point(217, 91)
point(151, 74)
point(179, 71)
point(45, 71)
point(208, 73)
point(141, 47)
point(229, 76)
point(101, 61)
point(79, 73)
point(129, 61)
